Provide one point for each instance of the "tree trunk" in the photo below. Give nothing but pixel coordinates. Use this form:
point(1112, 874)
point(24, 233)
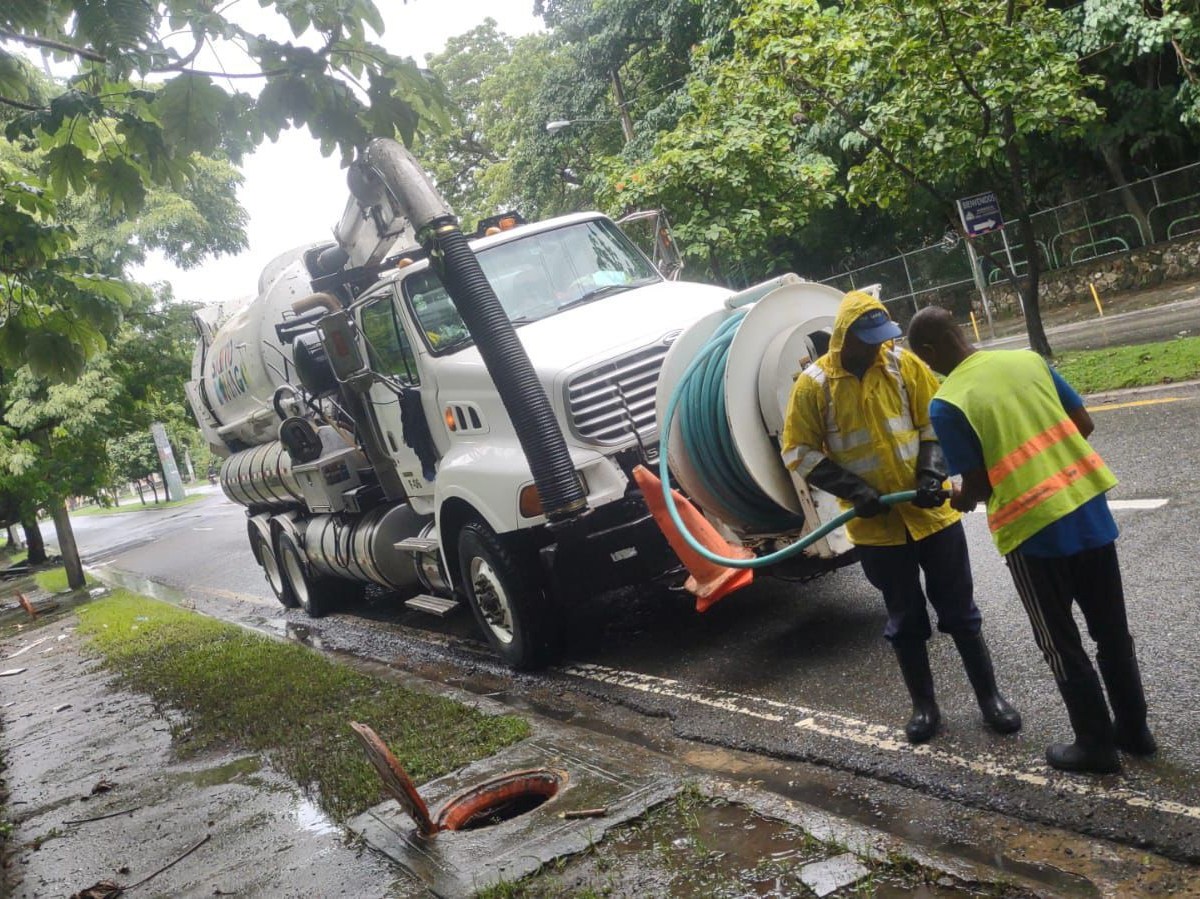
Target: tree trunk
point(1112, 159)
point(14, 538)
point(33, 540)
point(66, 545)
point(154, 487)
point(137, 485)
point(1038, 342)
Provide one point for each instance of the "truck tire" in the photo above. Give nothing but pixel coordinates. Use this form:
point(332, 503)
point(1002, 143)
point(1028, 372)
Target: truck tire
point(265, 553)
point(508, 600)
point(311, 593)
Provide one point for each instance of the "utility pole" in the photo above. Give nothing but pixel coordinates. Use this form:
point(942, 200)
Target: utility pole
point(619, 96)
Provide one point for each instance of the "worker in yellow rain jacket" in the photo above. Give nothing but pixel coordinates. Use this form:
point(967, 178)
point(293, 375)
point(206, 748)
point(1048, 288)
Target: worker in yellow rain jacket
point(1017, 433)
point(857, 427)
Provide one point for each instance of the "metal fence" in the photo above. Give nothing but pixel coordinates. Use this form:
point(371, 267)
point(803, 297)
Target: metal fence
point(1154, 210)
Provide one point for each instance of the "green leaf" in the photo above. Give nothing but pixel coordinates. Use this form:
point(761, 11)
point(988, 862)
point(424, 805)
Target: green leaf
point(190, 109)
point(121, 185)
point(68, 169)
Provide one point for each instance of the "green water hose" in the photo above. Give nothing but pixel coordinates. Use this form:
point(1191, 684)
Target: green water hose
point(705, 433)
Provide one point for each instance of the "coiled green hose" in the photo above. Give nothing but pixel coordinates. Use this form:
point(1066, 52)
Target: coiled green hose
point(705, 433)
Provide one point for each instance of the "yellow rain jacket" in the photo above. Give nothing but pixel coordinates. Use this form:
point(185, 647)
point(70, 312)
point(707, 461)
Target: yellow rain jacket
point(871, 427)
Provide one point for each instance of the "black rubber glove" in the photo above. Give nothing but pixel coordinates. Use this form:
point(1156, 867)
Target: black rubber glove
point(931, 474)
point(832, 478)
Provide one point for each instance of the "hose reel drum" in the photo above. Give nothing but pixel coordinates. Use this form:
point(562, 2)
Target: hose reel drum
point(773, 343)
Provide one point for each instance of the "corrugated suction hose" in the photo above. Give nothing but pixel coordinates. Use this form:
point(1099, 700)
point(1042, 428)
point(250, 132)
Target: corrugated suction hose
point(517, 383)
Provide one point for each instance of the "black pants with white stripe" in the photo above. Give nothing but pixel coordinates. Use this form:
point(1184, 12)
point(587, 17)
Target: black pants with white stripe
point(1048, 587)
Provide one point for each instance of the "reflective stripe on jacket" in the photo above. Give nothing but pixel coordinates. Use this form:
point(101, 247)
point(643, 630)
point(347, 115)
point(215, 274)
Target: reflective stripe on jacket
point(872, 427)
point(1039, 465)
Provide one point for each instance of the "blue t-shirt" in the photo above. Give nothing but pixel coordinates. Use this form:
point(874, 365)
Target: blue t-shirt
point(1088, 527)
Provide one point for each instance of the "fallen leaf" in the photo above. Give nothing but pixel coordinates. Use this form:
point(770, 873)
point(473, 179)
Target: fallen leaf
point(102, 889)
point(103, 786)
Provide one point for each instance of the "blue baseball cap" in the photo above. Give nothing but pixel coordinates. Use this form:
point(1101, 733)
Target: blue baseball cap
point(875, 326)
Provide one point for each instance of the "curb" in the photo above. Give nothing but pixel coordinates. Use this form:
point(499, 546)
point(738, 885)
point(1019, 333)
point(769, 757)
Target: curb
point(1112, 396)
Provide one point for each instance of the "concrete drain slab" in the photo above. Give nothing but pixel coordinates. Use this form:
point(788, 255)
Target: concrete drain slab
point(460, 863)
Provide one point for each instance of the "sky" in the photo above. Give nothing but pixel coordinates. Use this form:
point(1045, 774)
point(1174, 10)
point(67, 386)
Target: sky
point(292, 194)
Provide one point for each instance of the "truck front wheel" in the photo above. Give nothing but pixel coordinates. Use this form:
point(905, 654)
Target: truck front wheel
point(507, 599)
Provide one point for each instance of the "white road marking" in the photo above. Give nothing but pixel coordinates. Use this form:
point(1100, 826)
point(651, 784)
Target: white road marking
point(201, 529)
point(1118, 505)
point(874, 736)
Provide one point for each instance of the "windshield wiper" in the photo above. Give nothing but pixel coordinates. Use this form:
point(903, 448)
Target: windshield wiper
point(604, 291)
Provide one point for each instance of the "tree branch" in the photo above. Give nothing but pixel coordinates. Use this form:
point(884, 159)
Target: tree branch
point(20, 104)
point(48, 44)
point(871, 139)
point(962, 76)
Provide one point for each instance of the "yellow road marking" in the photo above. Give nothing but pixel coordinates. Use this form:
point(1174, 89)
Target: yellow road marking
point(1108, 406)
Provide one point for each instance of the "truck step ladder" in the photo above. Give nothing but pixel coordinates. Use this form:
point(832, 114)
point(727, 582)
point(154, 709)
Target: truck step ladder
point(434, 605)
point(417, 545)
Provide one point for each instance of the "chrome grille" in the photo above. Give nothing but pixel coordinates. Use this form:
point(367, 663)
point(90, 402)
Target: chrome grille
point(608, 402)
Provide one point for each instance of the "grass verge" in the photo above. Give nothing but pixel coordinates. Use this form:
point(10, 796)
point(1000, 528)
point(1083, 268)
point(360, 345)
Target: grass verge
point(134, 506)
point(54, 580)
point(224, 686)
point(1140, 365)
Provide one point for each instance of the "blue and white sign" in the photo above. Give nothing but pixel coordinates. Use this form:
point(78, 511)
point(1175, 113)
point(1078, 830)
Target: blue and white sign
point(980, 214)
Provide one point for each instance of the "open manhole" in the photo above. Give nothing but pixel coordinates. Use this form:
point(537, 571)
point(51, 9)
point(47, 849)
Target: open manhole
point(494, 801)
point(500, 799)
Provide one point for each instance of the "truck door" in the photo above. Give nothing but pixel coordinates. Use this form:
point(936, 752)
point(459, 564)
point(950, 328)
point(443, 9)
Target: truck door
point(397, 404)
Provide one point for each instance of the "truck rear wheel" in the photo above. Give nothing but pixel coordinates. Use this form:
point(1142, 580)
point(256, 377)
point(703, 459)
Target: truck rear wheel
point(311, 593)
point(508, 600)
point(270, 564)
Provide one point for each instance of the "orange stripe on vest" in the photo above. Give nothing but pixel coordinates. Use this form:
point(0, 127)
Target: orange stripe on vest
point(1060, 480)
point(1056, 433)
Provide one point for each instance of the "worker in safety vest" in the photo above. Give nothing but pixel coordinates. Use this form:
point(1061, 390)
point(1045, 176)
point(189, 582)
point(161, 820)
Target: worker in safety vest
point(1016, 431)
point(857, 427)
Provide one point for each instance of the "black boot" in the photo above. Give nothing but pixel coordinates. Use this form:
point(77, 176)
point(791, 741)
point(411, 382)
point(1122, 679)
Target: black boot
point(999, 715)
point(1123, 680)
point(913, 657)
point(1093, 751)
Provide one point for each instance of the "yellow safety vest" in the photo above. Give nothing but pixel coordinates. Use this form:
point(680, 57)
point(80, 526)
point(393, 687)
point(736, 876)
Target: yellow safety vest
point(1039, 465)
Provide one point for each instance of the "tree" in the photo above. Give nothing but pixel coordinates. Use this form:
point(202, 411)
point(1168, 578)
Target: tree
point(51, 441)
point(933, 95)
point(733, 174)
point(133, 458)
point(138, 113)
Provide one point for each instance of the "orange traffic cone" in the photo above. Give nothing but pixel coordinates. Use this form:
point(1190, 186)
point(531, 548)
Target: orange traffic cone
point(709, 582)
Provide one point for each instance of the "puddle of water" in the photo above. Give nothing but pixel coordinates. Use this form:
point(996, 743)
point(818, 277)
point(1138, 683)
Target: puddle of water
point(309, 817)
point(230, 772)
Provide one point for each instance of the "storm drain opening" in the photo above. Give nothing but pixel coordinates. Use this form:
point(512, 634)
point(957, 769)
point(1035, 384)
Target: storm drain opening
point(492, 802)
point(500, 799)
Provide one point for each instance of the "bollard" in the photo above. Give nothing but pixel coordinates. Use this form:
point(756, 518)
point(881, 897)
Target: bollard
point(1096, 297)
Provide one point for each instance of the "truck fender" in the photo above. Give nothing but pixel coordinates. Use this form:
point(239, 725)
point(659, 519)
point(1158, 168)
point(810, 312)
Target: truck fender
point(455, 511)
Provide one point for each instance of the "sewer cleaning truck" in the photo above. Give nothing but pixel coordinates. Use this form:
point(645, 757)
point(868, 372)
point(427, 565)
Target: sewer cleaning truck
point(456, 417)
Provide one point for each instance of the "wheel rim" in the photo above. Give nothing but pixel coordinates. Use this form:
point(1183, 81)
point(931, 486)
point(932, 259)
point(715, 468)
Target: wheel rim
point(295, 575)
point(492, 599)
point(271, 568)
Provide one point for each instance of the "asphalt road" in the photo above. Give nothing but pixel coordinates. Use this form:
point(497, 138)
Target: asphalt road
point(1177, 319)
point(800, 670)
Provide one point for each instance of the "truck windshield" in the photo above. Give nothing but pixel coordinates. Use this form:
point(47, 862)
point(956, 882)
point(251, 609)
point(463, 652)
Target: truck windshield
point(535, 277)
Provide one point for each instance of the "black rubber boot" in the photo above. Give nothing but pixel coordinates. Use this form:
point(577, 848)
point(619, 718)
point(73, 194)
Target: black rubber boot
point(999, 715)
point(1123, 681)
point(913, 657)
point(1093, 751)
